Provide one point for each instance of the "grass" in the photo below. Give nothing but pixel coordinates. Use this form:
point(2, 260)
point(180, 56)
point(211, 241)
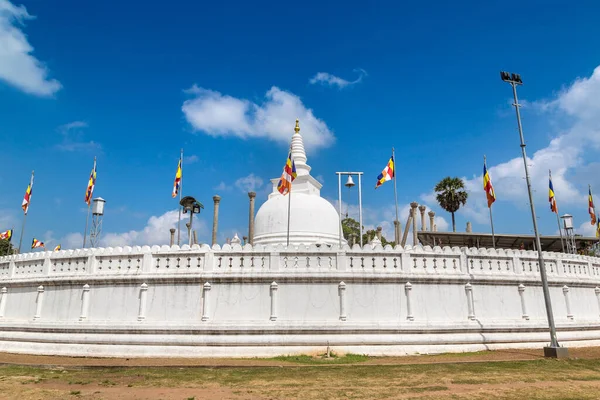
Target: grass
point(347, 377)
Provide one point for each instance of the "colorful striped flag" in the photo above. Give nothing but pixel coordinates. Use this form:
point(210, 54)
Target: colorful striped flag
point(27, 197)
point(387, 174)
point(287, 177)
point(591, 209)
point(6, 235)
point(36, 244)
point(487, 186)
point(91, 184)
point(551, 197)
point(598, 228)
point(177, 183)
point(57, 248)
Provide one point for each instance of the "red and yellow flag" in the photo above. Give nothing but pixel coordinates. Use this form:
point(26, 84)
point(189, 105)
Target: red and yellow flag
point(551, 197)
point(36, 244)
point(57, 248)
point(27, 197)
point(591, 208)
point(287, 177)
point(6, 235)
point(487, 186)
point(91, 184)
point(388, 173)
point(177, 183)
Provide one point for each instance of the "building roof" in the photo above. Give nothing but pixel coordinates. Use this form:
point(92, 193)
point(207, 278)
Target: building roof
point(463, 239)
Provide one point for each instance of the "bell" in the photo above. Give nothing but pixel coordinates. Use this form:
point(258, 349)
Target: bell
point(350, 182)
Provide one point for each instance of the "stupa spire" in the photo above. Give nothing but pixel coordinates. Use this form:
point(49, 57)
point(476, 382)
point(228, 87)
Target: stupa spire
point(298, 152)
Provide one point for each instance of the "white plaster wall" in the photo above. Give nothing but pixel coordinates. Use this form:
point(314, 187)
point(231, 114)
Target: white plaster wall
point(114, 302)
point(61, 303)
point(174, 302)
point(309, 302)
point(20, 303)
point(375, 302)
point(239, 302)
point(442, 302)
point(495, 303)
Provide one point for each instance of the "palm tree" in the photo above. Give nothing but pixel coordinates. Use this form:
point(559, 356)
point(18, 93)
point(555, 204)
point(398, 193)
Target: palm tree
point(451, 195)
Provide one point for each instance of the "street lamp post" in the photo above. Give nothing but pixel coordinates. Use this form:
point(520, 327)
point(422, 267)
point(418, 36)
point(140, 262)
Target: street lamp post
point(349, 174)
point(192, 206)
point(554, 350)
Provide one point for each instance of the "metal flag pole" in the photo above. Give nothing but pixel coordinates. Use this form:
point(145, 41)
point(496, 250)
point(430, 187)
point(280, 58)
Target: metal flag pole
point(25, 214)
point(340, 203)
point(180, 206)
point(397, 224)
point(360, 208)
point(490, 208)
point(562, 244)
point(552, 351)
point(289, 214)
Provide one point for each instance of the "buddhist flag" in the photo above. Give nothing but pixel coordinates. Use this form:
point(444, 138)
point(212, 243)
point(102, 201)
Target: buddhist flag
point(57, 248)
point(387, 174)
point(598, 229)
point(27, 197)
point(36, 244)
point(91, 184)
point(591, 209)
point(551, 197)
point(287, 177)
point(6, 235)
point(487, 186)
point(177, 183)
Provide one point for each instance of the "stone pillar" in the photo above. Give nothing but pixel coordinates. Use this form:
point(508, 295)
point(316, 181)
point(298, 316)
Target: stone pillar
point(431, 220)
point(407, 290)
point(172, 230)
point(252, 196)
point(4, 294)
point(379, 232)
point(523, 306)
point(216, 200)
point(195, 237)
point(342, 292)
point(397, 232)
point(413, 210)
point(274, 288)
point(39, 302)
point(470, 304)
point(85, 300)
point(566, 290)
point(143, 301)
point(205, 290)
point(597, 291)
point(245, 238)
point(469, 227)
point(423, 225)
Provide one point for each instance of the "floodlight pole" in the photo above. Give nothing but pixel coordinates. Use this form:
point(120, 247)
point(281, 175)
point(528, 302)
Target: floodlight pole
point(552, 350)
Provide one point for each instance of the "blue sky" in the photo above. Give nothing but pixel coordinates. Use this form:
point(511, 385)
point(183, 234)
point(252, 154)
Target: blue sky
point(133, 82)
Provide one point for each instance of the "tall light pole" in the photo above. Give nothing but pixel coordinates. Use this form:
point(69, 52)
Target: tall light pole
point(349, 174)
point(554, 350)
point(192, 206)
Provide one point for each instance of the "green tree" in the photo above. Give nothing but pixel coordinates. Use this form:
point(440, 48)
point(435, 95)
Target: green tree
point(450, 195)
point(351, 227)
point(6, 247)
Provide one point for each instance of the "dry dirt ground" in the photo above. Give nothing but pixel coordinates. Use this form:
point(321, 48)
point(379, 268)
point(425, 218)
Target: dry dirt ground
point(507, 374)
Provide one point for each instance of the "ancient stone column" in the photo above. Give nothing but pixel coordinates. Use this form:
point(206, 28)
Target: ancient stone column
point(413, 210)
point(469, 227)
point(172, 230)
point(217, 200)
point(422, 210)
point(252, 196)
point(379, 232)
point(431, 220)
point(397, 232)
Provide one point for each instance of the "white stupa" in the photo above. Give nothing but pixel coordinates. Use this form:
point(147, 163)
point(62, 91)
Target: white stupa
point(313, 220)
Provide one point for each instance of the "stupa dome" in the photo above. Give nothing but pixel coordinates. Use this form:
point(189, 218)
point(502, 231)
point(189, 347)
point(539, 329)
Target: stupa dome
point(313, 220)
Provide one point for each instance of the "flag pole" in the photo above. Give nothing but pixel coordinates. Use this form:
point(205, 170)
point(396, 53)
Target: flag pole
point(490, 207)
point(397, 223)
point(180, 193)
point(87, 218)
point(25, 216)
point(289, 214)
point(562, 245)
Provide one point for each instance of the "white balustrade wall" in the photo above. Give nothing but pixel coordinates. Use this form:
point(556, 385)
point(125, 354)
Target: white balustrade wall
point(268, 300)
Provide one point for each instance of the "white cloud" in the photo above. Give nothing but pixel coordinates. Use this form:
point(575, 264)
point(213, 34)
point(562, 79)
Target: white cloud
point(250, 183)
point(222, 187)
point(586, 229)
point(327, 79)
point(19, 68)
point(73, 138)
point(220, 115)
point(191, 159)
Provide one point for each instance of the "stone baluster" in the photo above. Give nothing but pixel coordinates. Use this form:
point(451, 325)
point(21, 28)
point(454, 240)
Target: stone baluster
point(205, 294)
point(3, 297)
point(523, 305)
point(85, 302)
point(407, 290)
point(39, 303)
point(342, 293)
point(566, 291)
point(143, 301)
point(470, 303)
point(274, 288)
